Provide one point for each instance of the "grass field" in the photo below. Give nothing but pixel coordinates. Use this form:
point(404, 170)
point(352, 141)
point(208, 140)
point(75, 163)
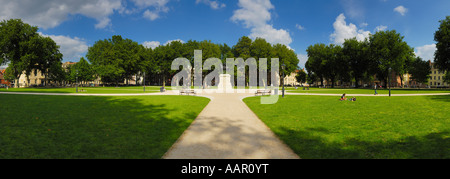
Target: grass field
point(366, 91)
point(68, 127)
point(88, 90)
point(320, 127)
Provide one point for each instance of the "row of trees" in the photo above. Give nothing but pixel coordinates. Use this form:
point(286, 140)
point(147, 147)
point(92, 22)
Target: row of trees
point(116, 60)
point(26, 50)
point(381, 54)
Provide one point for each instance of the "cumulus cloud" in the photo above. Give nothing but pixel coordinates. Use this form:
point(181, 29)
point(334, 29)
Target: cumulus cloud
point(151, 44)
point(153, 8)
point(426, 52)
point(169, 41)
point(401, 9)
point(255, 15)
point(51, 13)
point(211, 3)
point(343, 31)
point(380, 28)
point(299, 27)
point(71, 48)
point(154, 44)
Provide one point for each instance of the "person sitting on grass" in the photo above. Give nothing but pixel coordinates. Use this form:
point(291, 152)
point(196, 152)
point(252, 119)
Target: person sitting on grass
point(353, 99)
point(343, 98)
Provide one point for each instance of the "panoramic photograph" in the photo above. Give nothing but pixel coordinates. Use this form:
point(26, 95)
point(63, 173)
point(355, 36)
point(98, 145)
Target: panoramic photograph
point(186, 80)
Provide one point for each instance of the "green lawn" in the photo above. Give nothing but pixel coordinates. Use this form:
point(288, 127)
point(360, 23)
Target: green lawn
point(323, 127)
point(74, 127)
point(88, 90)
point(366, 91)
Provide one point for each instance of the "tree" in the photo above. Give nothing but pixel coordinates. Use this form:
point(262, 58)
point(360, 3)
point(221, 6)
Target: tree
point(442, 54)
point(14, 40)
point(335, 66)
point(301, 77)
point(356, 53)
point(242, 48)
point(43, 55)
point(420, 70)
point(315, 63)
point(390, 54)
point(83, 70)
point(115, 59)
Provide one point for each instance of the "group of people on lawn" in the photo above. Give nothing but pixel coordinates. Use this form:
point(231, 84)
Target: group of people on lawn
point(344, 98)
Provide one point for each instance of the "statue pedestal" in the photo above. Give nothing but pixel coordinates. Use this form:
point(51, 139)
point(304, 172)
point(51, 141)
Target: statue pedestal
point(225, 83)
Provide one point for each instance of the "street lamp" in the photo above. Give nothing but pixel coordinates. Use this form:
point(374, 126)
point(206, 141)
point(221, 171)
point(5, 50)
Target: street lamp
point(283, 67)
point(77, 81)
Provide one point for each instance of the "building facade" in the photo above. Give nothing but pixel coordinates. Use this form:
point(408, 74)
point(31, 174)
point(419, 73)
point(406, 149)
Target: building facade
point(437, 77)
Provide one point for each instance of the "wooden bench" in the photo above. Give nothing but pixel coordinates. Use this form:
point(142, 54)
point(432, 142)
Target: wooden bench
point(188, 92)
point(263, 92)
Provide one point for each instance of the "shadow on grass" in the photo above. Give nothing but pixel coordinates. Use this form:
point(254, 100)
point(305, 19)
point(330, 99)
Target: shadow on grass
point(444, 98)
point(309, 145)
point(91, 127)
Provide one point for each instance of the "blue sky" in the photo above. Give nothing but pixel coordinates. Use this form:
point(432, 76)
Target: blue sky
point(76, 25)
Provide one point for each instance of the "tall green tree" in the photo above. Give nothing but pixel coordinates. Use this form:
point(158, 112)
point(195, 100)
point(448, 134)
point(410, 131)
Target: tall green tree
point(390, 54)
point(442, 54)
point(15, 37)
point(83, 70)
point(43, 54)
point(301, 77)
point(242, 49)
point(420, 70)
point(115, 59)
point(334, 64)
point(316, 62)
point(356, 53)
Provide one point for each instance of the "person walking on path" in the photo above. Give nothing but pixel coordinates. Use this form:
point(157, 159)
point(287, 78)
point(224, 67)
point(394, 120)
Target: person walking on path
point(376, 93)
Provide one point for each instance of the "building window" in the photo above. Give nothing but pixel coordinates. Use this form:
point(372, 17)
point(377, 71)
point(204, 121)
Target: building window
point(439, 77)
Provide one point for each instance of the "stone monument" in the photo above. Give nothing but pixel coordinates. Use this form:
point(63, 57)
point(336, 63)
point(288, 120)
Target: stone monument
point(225, 83)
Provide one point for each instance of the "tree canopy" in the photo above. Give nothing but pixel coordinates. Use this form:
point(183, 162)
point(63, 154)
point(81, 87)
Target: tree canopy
point(442, 54)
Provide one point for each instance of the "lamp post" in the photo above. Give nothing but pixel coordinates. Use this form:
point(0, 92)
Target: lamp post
point(77, 81)
point(283, 67)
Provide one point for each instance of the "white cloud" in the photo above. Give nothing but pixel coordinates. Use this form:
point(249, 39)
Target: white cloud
point(401, 9)
point(380, 28)
point(151, 44)
point(426, 52)
point(211, 3)
point(364, 24)
point(169, 41)
point(255, 14)
point(353, 8)
point(154, 44)
point(299, 27)
point(343, 31)
point(157, 7)
point(51, 13)
point(71, 48)
point(303, 59)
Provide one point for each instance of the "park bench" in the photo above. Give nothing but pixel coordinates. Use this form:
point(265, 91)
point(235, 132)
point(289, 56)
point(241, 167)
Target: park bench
point(187, 92)
point(263, 92)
